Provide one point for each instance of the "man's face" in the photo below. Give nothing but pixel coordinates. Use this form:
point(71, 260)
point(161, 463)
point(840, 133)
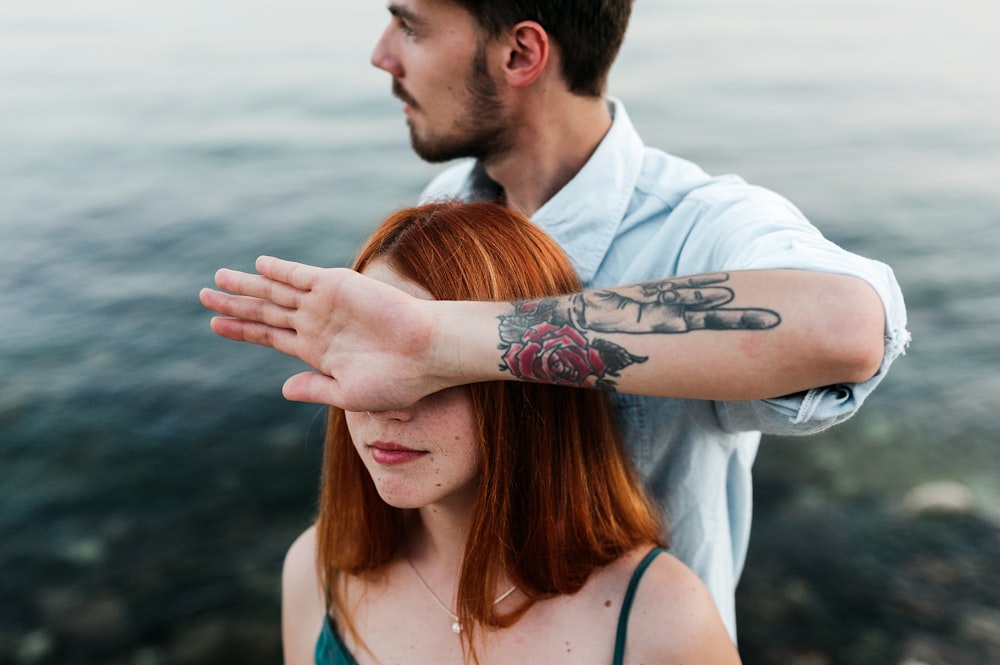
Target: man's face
point(437, 56)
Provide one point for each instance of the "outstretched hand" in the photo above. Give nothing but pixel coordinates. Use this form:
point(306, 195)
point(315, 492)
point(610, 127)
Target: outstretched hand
point(371, 344)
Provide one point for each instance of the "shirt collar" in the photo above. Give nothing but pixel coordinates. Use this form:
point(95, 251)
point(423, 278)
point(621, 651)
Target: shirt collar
point(585, 214)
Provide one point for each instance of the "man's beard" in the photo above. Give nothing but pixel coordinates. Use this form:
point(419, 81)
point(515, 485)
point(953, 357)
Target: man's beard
point(481, 131)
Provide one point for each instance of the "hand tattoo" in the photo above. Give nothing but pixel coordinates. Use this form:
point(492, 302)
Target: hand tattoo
point(545, 340)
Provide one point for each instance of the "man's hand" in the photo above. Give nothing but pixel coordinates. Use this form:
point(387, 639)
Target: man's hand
point(371, 344)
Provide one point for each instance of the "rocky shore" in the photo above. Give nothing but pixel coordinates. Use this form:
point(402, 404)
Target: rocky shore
point(155, 566)
point(840, 575)
point(869, 584)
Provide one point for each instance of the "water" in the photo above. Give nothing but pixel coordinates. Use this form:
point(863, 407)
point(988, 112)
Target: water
point(142, 146)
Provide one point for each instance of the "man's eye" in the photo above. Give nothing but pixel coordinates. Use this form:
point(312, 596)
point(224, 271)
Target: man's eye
point(405, 27)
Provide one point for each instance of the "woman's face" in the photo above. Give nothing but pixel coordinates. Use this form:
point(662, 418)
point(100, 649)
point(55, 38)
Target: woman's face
point(426, 453)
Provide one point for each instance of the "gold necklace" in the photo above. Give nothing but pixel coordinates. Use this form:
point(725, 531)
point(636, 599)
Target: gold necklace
point(456, 626)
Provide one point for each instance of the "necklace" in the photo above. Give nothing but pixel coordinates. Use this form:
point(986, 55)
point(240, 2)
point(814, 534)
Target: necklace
point(456, 626)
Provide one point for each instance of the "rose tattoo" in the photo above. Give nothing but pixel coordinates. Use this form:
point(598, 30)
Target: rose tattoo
point(540, 346)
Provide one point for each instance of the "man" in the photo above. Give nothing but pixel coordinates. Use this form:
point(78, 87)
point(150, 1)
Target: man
point(716, 311)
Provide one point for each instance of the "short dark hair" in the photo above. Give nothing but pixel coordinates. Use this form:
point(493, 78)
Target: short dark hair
point(587, 32)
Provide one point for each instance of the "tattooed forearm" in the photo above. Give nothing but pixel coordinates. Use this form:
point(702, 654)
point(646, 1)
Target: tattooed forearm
point(541, 343)
point(546, 340)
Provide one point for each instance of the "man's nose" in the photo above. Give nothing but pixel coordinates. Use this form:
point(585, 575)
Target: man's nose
point(383, 56)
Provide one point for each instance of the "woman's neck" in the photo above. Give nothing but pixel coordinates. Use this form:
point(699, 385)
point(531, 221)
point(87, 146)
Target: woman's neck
point(437, 537)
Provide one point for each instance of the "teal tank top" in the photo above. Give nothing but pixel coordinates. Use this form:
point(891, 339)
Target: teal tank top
point(331, 650)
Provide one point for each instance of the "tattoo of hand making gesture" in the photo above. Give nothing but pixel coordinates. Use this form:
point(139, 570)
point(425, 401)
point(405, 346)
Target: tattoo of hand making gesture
point(546, 340)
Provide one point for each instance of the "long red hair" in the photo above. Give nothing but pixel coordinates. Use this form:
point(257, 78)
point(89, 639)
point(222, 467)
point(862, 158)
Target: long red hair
point(557, 498)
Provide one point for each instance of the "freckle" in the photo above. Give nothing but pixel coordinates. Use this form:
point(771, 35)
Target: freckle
point(607, 603)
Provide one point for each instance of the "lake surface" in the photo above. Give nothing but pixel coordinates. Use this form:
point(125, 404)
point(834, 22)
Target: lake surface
point(142, 146)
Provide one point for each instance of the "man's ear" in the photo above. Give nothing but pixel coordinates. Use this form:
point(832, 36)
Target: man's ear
point(528, 54)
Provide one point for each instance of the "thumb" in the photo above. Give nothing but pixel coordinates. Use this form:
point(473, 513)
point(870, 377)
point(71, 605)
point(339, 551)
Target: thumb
point(311, 387)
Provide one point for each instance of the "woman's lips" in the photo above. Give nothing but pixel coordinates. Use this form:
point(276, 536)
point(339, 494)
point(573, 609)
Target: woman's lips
point(388, 453)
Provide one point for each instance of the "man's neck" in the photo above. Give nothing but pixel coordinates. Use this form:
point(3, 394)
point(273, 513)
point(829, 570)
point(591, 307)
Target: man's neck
point(553, 143)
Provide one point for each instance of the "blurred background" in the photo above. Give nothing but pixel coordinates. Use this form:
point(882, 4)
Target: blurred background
point(151, 475)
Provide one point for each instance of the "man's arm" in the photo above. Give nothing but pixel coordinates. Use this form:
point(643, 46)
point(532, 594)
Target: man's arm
point(730, 336)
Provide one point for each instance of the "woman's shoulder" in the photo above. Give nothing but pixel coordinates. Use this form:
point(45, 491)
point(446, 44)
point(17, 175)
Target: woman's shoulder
point(303, 605)
point(673, 618)
point(299, 569)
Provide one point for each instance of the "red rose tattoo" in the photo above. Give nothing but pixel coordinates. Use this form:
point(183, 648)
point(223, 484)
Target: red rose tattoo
point(555, 354)
point(540, 346)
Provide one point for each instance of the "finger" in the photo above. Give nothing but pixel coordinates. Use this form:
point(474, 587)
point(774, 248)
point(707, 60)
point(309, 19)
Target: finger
point(207, 297)
point(696, 298)
point(708, 279)
point(732, 319)
point(255, 333)
point(298, 275)
point(257, 286)
point(311, 387)
point(318, 388)
point(251, 310)
point(219, 302)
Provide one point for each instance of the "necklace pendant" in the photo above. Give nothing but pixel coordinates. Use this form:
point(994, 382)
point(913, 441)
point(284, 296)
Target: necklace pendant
point(456, 628)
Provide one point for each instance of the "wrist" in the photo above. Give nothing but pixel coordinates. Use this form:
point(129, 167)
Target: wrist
point(465, 341)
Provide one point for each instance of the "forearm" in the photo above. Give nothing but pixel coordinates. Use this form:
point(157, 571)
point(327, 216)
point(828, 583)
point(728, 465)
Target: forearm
point(735, 336)
point(732, 336)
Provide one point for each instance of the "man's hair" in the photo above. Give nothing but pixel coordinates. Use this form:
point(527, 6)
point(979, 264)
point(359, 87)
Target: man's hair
point(557, 496)
point(587, 32)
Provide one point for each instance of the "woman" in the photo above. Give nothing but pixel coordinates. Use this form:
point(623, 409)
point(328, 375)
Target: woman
point(491, 523)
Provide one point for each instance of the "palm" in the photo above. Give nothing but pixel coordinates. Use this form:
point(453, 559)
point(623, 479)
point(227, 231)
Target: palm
point(366, 339)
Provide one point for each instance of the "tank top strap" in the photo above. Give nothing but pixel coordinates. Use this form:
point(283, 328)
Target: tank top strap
point(633, 584)
point(330, 648)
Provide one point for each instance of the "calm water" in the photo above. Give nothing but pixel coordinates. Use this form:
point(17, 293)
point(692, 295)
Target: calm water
point(143, 145)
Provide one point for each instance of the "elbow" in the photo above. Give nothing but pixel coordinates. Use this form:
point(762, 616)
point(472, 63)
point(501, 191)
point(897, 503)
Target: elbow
point(858, 343)
point(863, 360)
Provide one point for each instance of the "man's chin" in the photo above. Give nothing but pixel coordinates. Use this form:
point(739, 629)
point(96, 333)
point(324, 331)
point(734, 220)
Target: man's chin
point(483, 145)
point(435, 153)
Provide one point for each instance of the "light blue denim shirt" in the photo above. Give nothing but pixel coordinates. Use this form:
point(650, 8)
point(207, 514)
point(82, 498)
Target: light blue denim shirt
point(634, 214)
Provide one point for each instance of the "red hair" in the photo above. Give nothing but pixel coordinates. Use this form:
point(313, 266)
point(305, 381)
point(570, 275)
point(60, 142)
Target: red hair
point(558, 497)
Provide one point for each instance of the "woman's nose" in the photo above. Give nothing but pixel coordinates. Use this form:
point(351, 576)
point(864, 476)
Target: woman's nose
point(401, 415)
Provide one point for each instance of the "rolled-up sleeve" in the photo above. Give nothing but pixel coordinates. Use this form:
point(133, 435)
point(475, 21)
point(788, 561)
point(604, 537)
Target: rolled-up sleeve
point(814, 410)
